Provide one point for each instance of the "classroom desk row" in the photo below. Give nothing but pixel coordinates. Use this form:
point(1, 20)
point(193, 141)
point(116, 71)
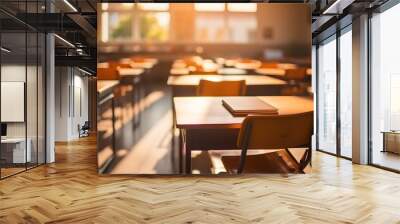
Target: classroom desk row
point(106, 100)
point(186, 85)
point(284, 71)
point(118, 84)
point(131, 74)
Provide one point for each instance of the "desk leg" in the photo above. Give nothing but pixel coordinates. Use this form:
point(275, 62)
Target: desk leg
point(173, 148)
point(180, 151)
point(133, 105)
point(136, 102)
point(140, 96)
point(113, 126)
point(188, 158)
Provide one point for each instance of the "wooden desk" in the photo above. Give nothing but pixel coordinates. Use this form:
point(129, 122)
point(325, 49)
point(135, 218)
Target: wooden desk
point(130, 71)
point(130, 75)
point(250, 65)
point(105, 87)
point(105, 100)
point(275, 72)
point(139, 65)
point(232, 71)
point(145, 65)
point(221, 71)
point(179, 71)
point(13, 150)
point(205, 124)
point(133, 76)
point(186, 85)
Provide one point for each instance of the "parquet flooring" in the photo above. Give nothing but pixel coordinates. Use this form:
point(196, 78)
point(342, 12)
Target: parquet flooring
point(71, 191)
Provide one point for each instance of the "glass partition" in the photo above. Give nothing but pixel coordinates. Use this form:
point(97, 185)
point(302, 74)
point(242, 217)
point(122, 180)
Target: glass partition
point(327, 96)
point(22, 88)
point(31, 97)
point(346, 93)
point(41, 97)
point(15, 150)
point(385, 89)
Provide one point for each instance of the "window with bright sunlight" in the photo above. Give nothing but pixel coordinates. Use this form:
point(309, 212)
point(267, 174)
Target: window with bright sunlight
point(120, 26)
point(154, 26)
point(242, 7)
point(209, 7)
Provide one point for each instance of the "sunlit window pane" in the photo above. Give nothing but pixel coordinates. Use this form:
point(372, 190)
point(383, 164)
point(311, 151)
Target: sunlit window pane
point(327, 97)
point(104, 6)
point(154, 6)
point(120, 26)
point(210, 7)
point(242, 7)
point(210, 28)
point(346, 94)
point(385, 87)
point(104, 26)
point(154, 26)
point(242, 29)
point(117, 6)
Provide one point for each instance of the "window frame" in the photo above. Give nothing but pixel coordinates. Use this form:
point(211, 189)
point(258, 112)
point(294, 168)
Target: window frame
point(136, 12)
point(381, 9)
point(225, 14)
point(334, 37)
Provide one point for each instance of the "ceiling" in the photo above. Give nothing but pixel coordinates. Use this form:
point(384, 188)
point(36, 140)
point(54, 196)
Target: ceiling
point(73, 20)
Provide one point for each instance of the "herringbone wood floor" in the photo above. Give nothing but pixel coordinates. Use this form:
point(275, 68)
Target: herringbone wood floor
point(70, 191)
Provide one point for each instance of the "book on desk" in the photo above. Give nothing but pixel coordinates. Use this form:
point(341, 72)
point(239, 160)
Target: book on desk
point(241, 107)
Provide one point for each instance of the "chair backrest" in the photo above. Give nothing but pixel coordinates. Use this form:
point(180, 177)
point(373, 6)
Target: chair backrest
point(221, 88)
point(117, 64)
point(276, 131)
point(86, 125)
point(107, 73)
point(269, 65)
point(295, 74)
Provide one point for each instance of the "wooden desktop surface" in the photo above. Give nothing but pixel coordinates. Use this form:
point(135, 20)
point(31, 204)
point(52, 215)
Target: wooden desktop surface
point(106, 85)
point(208, 112)
point(139, 64)
point(279, 72)
point(251, 80)
point(221, 71)
point(126, 72)
point(179, 71)
point(145, 65)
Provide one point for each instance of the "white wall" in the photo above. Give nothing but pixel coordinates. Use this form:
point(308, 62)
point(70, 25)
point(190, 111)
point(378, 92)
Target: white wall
point(33, 126)
point(12, 73)
point(70, 83)
point(61, 103)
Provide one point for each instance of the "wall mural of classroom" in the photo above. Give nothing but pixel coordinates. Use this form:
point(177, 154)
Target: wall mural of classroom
point(212, 95)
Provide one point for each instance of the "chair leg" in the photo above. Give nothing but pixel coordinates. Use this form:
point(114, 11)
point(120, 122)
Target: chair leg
point(297, 164)
point(244, 147)
point(306, 159)
point(243, 155)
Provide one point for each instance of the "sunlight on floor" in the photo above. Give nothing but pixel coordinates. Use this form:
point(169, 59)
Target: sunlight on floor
point(151, 144)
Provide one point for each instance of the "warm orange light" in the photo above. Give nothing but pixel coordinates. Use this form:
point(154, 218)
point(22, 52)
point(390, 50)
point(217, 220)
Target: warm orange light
point(210, 7)
point(154, 6)
point(116, 6)
point(242, 7)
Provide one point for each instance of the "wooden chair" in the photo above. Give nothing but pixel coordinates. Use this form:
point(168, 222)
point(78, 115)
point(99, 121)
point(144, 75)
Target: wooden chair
point(269, 65)
point(107, 73)
point(273, 132)
point(296, 74)
point(221, 88)
point(296, 78)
